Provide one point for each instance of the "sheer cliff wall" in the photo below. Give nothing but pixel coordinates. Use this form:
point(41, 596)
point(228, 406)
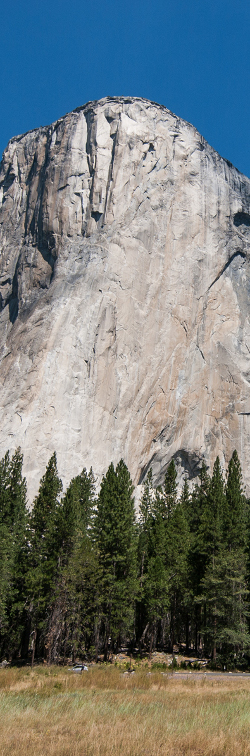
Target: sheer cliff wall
point(124, 293)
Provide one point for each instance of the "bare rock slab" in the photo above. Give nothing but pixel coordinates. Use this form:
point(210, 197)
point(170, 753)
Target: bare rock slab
point(124, 293)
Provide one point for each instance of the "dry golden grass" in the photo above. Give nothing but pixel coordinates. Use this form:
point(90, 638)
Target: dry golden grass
point(53, 712)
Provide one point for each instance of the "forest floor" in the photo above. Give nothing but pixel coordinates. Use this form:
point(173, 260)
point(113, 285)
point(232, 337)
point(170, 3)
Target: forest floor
point(51, 711)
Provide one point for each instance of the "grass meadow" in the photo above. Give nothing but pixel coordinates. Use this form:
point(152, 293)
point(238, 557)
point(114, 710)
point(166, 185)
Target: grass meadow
point(50, 711)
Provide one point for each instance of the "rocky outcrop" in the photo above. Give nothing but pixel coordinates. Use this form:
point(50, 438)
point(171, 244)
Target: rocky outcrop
point(124, 290)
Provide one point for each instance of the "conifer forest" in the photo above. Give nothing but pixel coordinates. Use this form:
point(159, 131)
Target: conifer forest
point(81, 575)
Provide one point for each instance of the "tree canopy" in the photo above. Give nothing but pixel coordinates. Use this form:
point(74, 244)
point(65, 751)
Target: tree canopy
point(81, 575)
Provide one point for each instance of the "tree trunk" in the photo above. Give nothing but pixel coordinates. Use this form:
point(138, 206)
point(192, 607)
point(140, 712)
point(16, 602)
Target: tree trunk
point(187, 634)
point(106, 642)
point(173, 624)
point(214, 646)
point(25, 641)
point(33, 647)
point(151, 641)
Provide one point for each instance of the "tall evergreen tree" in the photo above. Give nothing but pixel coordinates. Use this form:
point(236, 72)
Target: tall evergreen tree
point(176, 546)
point(115, 538)
point(75, 597)
point(213, 514)
point(169, 491)
point(13, 552)
point(210, 538)
point(76, 511)
point(177, 549)
point(45, 546)
point(187, 596)
point(236, 514)
point(197, 557)
point(225, 594)
point(146, 509)
point(154, 595)
point(164, 539)
point(224, 582)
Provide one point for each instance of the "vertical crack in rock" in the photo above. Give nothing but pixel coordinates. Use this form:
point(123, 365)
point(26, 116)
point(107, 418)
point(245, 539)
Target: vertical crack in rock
point(31, 175)
point(44, 237)
point(114, 136)
point(91, 148)
point(12, 300)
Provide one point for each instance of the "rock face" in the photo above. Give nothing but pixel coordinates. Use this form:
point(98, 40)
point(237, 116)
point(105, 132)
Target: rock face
point(125, 290)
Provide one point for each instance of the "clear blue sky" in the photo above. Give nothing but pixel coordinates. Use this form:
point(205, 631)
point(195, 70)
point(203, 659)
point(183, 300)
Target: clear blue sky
point(191, 55)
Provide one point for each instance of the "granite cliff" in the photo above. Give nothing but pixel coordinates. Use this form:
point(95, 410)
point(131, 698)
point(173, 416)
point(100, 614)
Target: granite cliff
point(124, 292)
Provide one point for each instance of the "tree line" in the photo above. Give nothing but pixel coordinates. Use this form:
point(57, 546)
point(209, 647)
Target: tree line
point(80, 575)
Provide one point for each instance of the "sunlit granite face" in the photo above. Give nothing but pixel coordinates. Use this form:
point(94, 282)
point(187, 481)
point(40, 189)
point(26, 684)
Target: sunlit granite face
point(125, 292)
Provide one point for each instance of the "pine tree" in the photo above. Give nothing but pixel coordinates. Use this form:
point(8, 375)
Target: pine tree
point(211, 543)
point(177, 549)
point(6, 527)
point(169, 491)
point(13, 553)
point(187, 596)
point(76, 512)
point(195, 507)
point(213, 515)
point(164, 540)
point(236, 514)
point(224, 582)
point(176, 546)
point(45, 546)
point(146, 509)
point(74, 604)
point(115, 538)
point(225, 594)
point(155, 590)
